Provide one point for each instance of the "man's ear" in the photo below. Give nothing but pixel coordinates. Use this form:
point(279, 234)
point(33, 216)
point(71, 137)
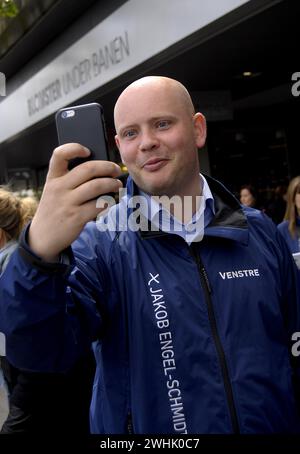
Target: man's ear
point(118, 145)
point(200, 129)
point(117, 141)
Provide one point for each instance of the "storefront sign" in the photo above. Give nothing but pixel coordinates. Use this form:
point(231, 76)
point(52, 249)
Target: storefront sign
point(135, 32)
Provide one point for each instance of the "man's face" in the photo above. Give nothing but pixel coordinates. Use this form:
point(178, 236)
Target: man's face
point(158, 136)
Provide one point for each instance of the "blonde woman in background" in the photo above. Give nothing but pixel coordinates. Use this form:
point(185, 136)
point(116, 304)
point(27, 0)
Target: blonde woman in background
point(39, 403)
point(15, 213)
point(13, 216)
point(11, 224)
point(290, 227)
point(29, 207)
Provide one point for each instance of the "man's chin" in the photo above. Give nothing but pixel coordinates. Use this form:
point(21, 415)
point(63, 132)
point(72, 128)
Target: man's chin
point(157, 189)
point(154, 186)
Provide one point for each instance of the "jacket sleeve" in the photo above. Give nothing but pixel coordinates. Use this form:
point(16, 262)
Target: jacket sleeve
point(50, 315)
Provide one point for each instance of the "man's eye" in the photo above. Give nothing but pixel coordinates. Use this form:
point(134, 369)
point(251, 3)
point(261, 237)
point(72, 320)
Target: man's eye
point(163, 124)
point(129, 133)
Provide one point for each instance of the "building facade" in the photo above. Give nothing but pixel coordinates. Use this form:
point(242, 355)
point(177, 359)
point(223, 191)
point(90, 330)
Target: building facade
point(233, 56)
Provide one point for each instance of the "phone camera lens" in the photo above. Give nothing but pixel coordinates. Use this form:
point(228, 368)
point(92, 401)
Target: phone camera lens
point(64, 114)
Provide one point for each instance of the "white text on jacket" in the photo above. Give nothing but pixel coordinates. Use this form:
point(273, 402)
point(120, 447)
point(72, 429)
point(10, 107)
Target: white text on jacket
point(167, 354)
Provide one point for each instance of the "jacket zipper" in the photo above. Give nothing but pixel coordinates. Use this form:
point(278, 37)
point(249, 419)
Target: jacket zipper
point(213, 325)
point(129, 424)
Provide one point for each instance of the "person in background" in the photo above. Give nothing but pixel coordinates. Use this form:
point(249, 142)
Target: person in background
point(11, 224)
point(290, 227)
point(248, 196)
point(29, 207)
point(38, 403)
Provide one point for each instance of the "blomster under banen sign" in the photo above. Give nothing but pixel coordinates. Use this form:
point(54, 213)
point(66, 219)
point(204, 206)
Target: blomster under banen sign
point(81, 73)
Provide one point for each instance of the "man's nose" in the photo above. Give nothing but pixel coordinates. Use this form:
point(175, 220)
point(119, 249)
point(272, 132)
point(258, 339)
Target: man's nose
point(148, 141)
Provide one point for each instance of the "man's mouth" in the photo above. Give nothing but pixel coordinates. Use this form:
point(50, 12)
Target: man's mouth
point(154, 164)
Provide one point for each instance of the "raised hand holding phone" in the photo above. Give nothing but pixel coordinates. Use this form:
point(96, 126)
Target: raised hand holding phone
point(69, 198)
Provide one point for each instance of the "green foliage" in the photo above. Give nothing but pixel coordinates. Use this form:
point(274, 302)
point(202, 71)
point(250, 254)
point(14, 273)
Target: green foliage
point(8, 8)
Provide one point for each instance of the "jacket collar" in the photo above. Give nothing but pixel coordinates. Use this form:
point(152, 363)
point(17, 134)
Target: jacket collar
point(229, 221)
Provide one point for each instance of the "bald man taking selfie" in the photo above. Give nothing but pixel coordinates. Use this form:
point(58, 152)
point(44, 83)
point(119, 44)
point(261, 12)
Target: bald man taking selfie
point(190, 299)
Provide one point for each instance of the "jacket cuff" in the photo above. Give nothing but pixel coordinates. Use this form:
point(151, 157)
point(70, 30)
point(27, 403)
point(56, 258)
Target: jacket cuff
point(64, 266)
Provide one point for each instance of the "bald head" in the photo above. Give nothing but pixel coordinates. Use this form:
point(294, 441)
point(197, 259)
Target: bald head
point(153, 84)
point(158, 133)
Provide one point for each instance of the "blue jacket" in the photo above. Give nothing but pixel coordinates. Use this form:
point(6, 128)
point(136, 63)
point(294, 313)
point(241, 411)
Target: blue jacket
point(293, 243)
point(188, 339)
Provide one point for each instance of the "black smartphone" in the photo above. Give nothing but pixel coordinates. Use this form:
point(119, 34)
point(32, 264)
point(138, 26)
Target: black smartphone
point(83, 124)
